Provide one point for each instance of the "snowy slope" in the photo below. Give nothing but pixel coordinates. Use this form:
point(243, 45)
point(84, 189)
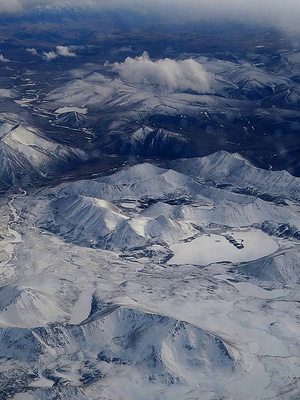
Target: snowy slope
point(231, 169)
point(155, 348)
point(26, 154)
point(280, 270)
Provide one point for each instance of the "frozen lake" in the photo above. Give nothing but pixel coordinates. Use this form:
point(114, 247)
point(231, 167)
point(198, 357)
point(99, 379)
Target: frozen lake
point(63, 110)
point(212, 248)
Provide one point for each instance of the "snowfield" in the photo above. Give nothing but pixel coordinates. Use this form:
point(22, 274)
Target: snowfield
point(63, 110)
point(153, 284)
point(209, 249)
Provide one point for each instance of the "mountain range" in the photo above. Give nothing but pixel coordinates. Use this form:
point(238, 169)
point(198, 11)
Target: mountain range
point(149, 218)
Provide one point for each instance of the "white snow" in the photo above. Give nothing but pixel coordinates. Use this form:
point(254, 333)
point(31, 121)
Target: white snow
point(251, 290)
point(139, 225)
point(7, 93)
point(62, 110)
point(130, 205)
point(213, 248)
point(42, 383)
point(82, 308)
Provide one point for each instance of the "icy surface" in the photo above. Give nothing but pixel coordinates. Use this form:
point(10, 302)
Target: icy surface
point(63, 110)
point(215, 248)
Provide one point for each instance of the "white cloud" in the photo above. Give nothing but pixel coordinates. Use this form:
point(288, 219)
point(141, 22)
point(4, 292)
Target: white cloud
point(64, 51)
point(165, 74)
point(51, 55)
point(10, 6)
point(3, 59)
point(32, 51)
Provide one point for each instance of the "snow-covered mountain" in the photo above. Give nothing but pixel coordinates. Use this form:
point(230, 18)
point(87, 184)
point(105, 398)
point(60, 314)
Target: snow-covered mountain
point(149, 208)
point(153, 348)
point(26, 154)
point(145, 204)
point(152, 282)
point(226, 169)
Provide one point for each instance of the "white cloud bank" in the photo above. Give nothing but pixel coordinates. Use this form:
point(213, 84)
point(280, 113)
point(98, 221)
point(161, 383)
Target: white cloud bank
point(165, 74)
point(10, 6)
point(279, 12)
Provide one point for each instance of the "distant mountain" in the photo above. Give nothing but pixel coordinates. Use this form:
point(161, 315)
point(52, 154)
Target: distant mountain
point(149, 142)
point(41, 25)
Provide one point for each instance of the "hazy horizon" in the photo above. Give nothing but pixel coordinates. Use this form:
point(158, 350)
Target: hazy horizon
point(280, 14)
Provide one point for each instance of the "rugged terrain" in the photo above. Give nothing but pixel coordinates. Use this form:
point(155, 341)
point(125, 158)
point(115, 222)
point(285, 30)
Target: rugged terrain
point(150, 219)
